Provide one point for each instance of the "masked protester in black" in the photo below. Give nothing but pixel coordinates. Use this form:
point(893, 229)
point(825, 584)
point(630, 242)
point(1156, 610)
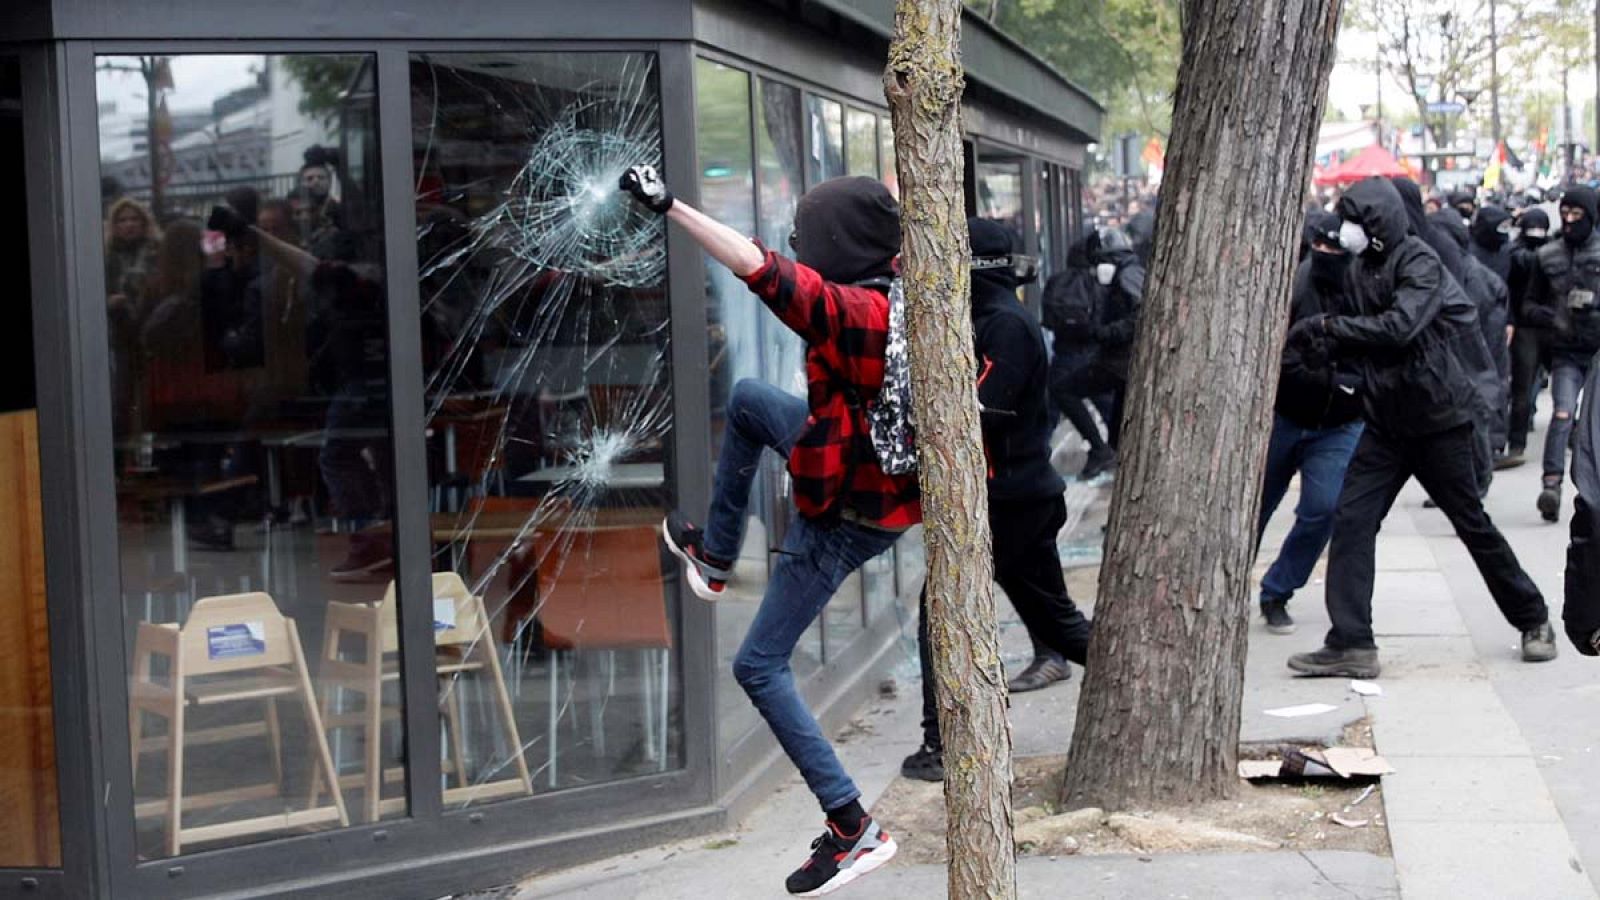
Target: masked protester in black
point(1404, 335)
point(1582, 611)
point(1444, 246)
point(1528, 341)
point(1563, 299)
point(1074, 301)
point(1026, 508)
point(1118, 269)
point(1490, 361)
point(1465, 203)
point(1316, 423)
point(1490, 236)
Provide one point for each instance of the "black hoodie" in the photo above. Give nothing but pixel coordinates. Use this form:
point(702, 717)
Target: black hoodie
point(1582, 611)
point(1313, 392)
point(848, 230)
point(1489, 360)
point(1409, 318)
point(1448, 251)
point(1489, 242)
point(1013, 376)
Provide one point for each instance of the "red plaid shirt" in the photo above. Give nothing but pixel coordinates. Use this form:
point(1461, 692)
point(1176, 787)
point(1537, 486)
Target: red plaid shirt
point(846, 329)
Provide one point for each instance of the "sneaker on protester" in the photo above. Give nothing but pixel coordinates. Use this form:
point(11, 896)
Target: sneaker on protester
point(927, 764)
point(707, 578)
point(1102, 461)
point(1044, 671)
point(1276, 614)
point(838, 859)
point(1539, 644)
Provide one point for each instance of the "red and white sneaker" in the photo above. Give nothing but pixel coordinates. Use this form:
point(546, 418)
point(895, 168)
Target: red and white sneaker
point(685, 540)
point(838, 859)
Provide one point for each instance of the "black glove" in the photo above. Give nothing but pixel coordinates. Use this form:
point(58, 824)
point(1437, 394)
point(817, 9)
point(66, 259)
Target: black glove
point(1308, 328)
point(225, 220)
point(647, 188)
point(1538, 316)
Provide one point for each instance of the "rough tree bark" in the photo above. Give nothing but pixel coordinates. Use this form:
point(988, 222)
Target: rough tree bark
point(1158, 719)
point(923, 82)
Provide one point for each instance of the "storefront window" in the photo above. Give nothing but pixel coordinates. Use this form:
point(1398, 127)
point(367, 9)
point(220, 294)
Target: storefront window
point(825, 127)
point(890, 177)
point(545, 327)
point(30, 832)
point(861, 143)
point(999, 188)
point(246, 310)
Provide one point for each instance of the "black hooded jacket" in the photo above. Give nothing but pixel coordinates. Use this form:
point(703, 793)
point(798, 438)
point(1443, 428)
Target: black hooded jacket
point(1013, 377)
point(1525, 261)
point(1490, 361)
point(848, 230)
point(1489, 242)
point(1445, 247)
point(1408, 323)
point(1119, 319)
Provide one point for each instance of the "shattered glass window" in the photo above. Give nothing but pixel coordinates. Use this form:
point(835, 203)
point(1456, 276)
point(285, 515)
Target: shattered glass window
point(861, 143)
point(545, 339)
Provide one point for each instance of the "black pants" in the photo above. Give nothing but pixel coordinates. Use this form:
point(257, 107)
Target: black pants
point(1582, 611)
point(1527, 347)
point(1074, 405)
point(1028, 567)
point(1446, 465)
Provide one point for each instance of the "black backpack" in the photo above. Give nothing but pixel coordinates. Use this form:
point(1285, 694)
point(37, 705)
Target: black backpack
point(1072, 303)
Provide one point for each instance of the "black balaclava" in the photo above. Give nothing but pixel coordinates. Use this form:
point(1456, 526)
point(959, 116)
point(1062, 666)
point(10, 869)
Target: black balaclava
point(1486, 228)
point(848, 229)
point(1463, 202)
point(1533, 219)
point(1576, 233)
point(1320, 236)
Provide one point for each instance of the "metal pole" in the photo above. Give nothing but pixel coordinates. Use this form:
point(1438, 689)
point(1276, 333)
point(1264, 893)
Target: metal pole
point(1566, 121)
point(1494, 69)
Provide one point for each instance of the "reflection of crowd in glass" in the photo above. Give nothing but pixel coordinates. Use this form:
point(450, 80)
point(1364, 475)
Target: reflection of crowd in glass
point(272, 305)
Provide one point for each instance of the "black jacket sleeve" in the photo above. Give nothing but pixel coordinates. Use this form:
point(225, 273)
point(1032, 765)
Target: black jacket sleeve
point(1007, 352)
point(1418, 297)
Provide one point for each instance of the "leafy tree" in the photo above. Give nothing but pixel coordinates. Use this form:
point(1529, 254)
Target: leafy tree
point(324, 80)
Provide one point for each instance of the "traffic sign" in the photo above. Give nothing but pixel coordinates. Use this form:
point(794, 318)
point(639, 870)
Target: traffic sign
point(1446, 108)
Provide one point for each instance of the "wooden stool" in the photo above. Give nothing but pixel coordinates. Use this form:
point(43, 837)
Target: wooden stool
point(232, 649)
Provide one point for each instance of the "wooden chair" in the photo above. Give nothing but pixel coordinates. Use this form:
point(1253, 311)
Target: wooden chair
point(463, 642)
point(600, 588)
point(236, 648)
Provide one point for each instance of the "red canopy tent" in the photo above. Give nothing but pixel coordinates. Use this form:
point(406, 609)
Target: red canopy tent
point(1373, 161)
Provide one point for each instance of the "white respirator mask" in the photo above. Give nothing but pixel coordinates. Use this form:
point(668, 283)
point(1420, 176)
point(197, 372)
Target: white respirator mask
point(1353, 237)
point(1104, 272)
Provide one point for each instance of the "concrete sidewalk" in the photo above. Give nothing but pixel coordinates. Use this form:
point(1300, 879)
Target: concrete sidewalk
point(1479, 805)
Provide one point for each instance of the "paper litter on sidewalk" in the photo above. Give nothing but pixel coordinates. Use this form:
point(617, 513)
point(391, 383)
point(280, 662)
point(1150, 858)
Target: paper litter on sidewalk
point(1306, 709)
point(1353, 761)
point(1366, 688)
point(1260, 768)
point(1338, 819)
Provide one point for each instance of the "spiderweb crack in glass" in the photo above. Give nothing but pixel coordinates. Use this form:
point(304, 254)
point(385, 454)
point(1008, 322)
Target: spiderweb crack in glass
point(544, 283)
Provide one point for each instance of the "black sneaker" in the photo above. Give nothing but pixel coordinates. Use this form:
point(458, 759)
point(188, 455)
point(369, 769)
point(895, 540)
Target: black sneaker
point(1100, 461)
point(1041, 673)
point(927, 764)
point(1550, 500)
point(1539, 644)
point(706, 578)
point(837, 859)
point(1276, 612)
point(1331, 663)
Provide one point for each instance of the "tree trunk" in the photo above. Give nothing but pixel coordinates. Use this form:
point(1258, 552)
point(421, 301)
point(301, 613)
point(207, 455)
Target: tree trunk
point(923, 82)
point(1158, 719)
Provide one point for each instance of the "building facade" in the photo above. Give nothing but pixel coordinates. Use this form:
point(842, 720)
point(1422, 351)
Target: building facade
point(345, 394)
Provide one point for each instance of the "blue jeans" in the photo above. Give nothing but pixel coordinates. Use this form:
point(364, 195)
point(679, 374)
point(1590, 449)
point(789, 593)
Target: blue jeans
point(1566, 381)
point(1320, 456)
point(816, 558)
point(758, 416)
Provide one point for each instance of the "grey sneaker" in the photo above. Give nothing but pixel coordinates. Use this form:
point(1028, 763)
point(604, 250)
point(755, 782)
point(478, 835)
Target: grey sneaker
point(1041, 673)
point(1276, 612)
point(1331, 663)
point(1539, 644)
